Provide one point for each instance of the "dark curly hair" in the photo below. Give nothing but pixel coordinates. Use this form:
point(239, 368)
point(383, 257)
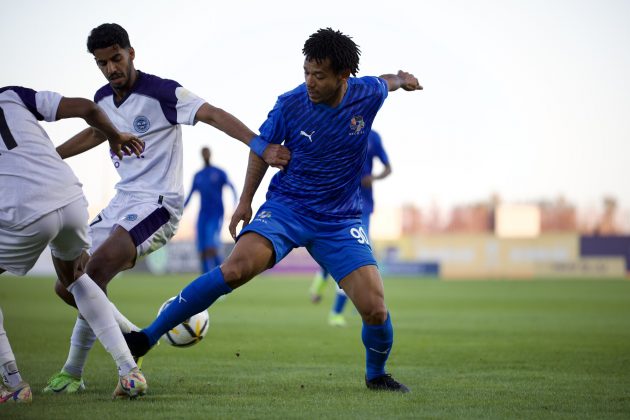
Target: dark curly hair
point(334, 45)
point(107, 35)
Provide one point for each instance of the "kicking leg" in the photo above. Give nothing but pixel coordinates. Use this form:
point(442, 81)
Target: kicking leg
point(252, 255)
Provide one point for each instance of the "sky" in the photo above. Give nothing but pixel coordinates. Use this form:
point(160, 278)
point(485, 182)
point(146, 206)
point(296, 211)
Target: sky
point(528, 99)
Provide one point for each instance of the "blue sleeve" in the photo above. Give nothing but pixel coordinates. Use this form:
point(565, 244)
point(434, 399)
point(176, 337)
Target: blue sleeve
point(380, 85)
point(274, 130)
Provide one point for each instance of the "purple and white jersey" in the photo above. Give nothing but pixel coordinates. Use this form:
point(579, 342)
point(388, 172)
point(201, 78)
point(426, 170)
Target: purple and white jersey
point(34, 181)
point(153, 110)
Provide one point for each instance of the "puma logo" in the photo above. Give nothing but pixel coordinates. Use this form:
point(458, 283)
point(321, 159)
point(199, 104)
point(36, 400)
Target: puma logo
point(305, 134)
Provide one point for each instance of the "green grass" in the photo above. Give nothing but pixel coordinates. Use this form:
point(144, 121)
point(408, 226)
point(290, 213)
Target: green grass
point(535, 349)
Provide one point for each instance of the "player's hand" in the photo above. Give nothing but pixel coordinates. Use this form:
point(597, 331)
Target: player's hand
point(277, 155)
point(242, 212)
point(408, 81)
point(126, 144)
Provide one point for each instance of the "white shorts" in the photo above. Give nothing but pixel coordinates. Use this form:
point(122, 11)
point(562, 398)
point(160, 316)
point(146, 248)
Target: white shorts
point(148, 218)
point(64, 229)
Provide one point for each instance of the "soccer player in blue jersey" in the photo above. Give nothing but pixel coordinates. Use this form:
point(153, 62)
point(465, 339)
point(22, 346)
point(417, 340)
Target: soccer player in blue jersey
point(209, 183)
point(315, 202)
point(375, 150)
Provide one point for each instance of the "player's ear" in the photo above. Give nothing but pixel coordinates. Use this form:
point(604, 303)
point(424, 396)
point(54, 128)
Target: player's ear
point(345, 74)
point(132, 53)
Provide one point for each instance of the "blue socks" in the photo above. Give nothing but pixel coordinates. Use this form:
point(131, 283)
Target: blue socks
point(378, 340)
point(194, 298)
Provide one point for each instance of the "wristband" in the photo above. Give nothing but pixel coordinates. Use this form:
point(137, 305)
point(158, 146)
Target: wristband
point(258, 145)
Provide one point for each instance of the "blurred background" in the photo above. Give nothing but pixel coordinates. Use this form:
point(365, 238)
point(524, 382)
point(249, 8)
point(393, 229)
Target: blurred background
point(513, 162)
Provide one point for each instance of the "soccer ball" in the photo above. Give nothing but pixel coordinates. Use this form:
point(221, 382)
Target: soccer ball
point(188, 332)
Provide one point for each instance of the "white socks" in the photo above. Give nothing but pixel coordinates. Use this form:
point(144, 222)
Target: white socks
point(124, 324)
point(8, 368)
point(81, 342)
point(96, 309)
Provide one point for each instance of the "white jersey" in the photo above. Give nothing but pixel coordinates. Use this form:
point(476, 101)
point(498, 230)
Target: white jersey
point(34, 181)
point(153, 110)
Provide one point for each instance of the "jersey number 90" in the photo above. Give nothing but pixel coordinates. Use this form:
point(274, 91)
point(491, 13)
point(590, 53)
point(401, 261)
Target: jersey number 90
point(360, 235)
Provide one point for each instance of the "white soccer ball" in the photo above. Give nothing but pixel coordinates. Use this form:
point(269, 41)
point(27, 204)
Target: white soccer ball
point(188, 332)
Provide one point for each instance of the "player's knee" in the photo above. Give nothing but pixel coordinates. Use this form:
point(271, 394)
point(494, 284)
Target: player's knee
point(236, 274)
point(376, 315)
point(99, 269)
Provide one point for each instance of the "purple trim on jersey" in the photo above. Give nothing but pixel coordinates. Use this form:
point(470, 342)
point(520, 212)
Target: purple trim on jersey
point(152, 86)
point(143, 230)
point(27, 96)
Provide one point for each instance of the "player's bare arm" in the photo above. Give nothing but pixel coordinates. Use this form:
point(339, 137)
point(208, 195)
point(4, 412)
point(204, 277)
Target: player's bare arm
point(81, 142)
point(256, 169)
point(101, 129)
point(402, 79)
point(274, 154)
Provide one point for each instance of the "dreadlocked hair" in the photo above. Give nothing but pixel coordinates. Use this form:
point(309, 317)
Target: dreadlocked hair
point(334, 45)
point(107, 35)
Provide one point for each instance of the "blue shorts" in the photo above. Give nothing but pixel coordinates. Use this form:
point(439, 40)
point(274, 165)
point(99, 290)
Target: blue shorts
point(365, 219)
point(339, 246)
point(208, 232)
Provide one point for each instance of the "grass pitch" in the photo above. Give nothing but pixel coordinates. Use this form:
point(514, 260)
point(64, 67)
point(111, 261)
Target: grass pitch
point(482, 349)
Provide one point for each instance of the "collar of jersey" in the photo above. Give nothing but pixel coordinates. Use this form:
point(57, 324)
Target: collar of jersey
point(328, 108)
point(135, 86)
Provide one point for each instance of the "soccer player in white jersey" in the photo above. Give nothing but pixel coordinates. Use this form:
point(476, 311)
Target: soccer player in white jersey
point(42, 203)
point(148, 204)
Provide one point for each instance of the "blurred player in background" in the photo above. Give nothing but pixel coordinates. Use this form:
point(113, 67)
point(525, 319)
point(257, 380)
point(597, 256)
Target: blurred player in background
point(209, 183)
point(314, 203)
point(42, 204)
point(145, 212)
point(374, 150)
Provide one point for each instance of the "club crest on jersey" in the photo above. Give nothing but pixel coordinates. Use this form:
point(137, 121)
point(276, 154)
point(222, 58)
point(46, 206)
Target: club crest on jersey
point(131, 217)
point(356, 125)
point(141, 124)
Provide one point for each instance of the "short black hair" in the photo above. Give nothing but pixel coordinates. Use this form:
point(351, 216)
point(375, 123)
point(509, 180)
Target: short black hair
point(336, 46)
point(107, 35)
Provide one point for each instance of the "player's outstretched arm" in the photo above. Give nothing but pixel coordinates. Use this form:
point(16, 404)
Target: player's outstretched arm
point(273, 154)
point(256, 169)
point(81, 142)
point(102, 129)
point(402, 79)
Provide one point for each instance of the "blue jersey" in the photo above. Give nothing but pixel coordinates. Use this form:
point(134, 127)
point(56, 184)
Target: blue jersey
point(375, 150)
point(328, 148)
point(209, 182)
